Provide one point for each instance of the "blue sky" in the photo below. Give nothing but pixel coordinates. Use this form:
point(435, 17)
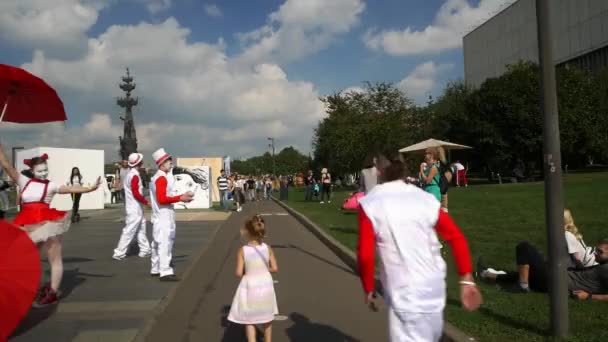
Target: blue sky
point(200, 78)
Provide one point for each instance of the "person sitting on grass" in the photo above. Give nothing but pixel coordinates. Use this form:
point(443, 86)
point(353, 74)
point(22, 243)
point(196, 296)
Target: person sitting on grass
point(533, 273)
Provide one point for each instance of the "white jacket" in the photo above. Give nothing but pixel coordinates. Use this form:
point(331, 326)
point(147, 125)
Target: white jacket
point(412, 270)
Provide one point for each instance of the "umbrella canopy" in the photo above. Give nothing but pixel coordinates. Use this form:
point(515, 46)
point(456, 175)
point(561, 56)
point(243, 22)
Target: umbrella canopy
point(19, 276)
point(25, 98)
point(421, 146)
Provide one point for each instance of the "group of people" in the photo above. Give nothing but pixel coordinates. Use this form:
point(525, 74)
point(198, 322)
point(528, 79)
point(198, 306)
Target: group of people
point(318, 186)
point(239, 189)
point(46, 226)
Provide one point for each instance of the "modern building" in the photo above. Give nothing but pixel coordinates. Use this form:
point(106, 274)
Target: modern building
point(580, 37)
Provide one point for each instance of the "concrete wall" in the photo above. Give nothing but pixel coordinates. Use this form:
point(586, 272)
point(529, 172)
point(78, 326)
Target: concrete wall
point(579, 27)
point(61, 161)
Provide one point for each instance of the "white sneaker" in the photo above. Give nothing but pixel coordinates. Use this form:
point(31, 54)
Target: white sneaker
point(119, 258)
point(144, 255)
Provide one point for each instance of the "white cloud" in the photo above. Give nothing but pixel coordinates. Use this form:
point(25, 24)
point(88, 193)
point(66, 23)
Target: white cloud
point(422, 80)
point(454, 19)
point(58, 27)
point(300, 28)
point(212, 10)
point(194, 100)
point(155, 6)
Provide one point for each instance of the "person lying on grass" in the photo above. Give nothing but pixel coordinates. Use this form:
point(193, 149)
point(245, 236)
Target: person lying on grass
point(590, 283)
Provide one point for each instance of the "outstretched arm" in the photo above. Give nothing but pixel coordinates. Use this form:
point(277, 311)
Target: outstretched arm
point(78, 189)
point(6, 165)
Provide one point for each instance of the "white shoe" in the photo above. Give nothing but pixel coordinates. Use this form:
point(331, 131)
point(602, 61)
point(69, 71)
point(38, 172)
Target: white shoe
point(144, 255)
point(119, 258)
point(322, 202)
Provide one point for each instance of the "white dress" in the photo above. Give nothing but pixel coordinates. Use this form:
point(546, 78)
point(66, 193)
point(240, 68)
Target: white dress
point(255, 301)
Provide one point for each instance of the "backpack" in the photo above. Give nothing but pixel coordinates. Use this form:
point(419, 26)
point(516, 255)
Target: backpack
point(445, 179)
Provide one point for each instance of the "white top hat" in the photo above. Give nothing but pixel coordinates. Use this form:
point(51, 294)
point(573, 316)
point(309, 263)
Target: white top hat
point(160, 156)
point(135, 159)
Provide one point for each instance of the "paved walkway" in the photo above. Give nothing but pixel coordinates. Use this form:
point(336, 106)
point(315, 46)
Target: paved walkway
point(108, 300)
point(319, 295)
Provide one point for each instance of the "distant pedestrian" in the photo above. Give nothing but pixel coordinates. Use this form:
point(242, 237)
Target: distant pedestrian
point(369, 175)
point(238, 192)
point(284, 189)
point(325, 186)
point(461, 174)
point(223, 188)
point(309, 182)
point(75, 181)
point(255, 301)
point(268, 188)
point(250, 189)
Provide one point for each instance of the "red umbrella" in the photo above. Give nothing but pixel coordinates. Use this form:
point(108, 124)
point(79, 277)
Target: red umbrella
point(25, 98)
point(19, 276)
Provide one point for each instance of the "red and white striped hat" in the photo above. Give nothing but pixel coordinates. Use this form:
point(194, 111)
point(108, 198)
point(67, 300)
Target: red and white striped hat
point(160, 156)
point(135, 159)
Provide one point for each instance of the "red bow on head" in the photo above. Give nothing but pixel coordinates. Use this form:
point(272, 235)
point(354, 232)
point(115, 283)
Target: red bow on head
point(28, 162)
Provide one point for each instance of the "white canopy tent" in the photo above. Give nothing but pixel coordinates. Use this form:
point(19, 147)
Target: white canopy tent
point(422, 146)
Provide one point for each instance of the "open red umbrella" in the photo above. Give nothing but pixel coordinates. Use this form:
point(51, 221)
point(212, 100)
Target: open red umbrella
point(19, 276)
point(25, 98)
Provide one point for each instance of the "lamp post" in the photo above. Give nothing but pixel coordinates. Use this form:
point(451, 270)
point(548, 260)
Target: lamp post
point(554, 205)
point(14, 154)
point(274, 165)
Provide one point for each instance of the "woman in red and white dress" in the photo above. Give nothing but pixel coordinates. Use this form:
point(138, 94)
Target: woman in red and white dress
point(44, 225)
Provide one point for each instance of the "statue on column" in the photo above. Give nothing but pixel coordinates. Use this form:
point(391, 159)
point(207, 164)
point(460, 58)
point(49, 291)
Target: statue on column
point(128, 142)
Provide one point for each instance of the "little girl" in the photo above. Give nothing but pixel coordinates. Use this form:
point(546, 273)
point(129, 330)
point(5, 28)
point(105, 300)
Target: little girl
point(255, 301)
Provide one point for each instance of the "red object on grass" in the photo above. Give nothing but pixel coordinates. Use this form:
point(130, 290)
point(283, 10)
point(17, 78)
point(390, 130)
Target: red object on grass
point(20, 272)
point(25, 98)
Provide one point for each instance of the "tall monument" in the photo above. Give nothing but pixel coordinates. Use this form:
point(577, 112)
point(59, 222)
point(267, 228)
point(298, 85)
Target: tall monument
point(128, 142)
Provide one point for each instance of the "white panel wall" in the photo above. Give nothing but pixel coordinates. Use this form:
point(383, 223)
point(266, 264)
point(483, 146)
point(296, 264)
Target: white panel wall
point(579, 26)
point(61, 161)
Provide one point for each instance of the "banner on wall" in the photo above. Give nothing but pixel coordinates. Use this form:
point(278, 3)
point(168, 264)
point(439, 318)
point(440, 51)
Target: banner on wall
point(196, 179)
point(227, 165)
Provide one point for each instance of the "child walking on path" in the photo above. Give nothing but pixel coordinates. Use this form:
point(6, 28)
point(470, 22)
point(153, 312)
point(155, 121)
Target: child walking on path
point(255, 301)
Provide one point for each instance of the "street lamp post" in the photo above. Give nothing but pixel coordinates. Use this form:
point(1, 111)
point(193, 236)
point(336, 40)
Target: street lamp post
point(274, 165)
point(554, 205)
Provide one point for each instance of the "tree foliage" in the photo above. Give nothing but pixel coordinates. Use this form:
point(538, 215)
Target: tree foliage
point(288, 161)
point(502, 120)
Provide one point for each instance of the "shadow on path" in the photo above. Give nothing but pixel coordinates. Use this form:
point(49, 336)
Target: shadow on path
point(303, 330)
point(71, 280)
point(299, 249)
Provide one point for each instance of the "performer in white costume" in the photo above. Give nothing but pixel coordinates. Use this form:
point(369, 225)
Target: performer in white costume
point(163, 216)
point(403, 222)
point(135, 222)
point(44, 225)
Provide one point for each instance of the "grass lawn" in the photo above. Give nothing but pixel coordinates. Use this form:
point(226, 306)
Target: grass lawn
point(495, 218)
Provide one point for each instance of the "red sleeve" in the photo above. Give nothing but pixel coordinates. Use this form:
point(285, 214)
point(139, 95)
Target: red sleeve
point(447, 229)
point(161, 192)
point(366, 252)
point(135, 190)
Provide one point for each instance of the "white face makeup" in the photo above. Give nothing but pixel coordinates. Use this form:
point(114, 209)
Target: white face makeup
point(41, 171)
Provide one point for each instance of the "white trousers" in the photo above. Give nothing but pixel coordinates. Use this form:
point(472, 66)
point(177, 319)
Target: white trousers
point(415, 327)
point(4, 204)
point(135, 224)
point(163, 235)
